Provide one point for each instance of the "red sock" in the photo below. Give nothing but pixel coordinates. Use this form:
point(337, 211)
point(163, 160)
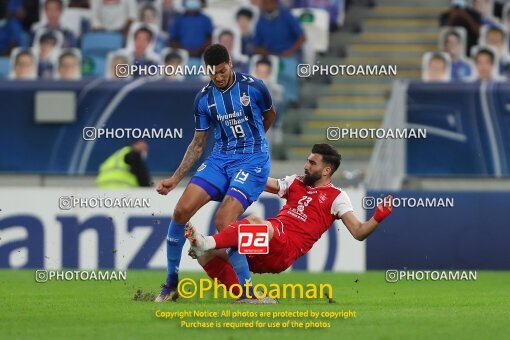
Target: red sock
point(228, 237)
point(223, 271)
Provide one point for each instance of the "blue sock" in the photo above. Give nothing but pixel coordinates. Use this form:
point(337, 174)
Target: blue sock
point(240, 264)
point(174, 243)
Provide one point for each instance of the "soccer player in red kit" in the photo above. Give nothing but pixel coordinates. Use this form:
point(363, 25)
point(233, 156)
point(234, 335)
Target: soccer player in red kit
point(313, 204)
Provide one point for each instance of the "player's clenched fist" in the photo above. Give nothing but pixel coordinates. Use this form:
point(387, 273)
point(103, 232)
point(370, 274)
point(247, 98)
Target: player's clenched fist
point(384, 209)
point(166, 185)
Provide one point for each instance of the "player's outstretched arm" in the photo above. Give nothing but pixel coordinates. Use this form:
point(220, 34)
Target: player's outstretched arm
point(193, 153)
point(361, 230)
point(269, 118)
point(272, 185)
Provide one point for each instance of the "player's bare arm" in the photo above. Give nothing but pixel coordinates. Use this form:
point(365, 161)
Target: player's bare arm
point(269, 118)
point(193, 153)
point(361, 230)
point(272, 185)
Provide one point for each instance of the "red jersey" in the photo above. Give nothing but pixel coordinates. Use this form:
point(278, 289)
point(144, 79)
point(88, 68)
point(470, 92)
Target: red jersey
point(309, 211)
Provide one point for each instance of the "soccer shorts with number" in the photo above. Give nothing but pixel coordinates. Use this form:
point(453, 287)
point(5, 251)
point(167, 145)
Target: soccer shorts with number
point(242, 176)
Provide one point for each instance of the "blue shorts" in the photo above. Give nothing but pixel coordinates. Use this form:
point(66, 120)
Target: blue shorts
point(242, 176)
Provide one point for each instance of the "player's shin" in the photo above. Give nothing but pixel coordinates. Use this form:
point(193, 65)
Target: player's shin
point(174, 243)
point(223, 271)
point(228, 237)
point(240, 264)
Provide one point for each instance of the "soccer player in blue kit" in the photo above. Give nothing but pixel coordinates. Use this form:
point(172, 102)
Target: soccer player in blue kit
point(239, 109)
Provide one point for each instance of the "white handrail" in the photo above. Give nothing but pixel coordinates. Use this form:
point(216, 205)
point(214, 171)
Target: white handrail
point(386, 169)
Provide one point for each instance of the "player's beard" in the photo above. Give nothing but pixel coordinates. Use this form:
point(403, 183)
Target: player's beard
point(311, 179)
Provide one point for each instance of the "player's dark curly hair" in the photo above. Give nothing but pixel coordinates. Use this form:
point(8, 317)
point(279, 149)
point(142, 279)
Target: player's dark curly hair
point(216, 54)
point(329, 155)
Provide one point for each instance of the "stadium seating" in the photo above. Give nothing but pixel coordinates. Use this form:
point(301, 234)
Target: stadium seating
point(75, 19)
point(98, 44)
point(4, 66)
point(221, 16)
point(315, 23)
point(98, 65)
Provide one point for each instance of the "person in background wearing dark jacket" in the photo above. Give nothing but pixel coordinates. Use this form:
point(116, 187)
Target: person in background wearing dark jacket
point(462, 15)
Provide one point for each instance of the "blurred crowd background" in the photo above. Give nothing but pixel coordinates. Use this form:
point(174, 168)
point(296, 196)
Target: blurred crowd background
point(71, 39)
point(83, 39)
point(473, 43)
point(58, 80)
point(75, 42)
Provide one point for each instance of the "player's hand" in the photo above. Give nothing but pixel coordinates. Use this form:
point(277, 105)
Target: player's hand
point(383, 209)
point(167, 185)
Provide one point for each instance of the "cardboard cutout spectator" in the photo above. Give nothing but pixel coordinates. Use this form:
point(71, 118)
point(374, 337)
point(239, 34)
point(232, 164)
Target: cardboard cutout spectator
point(453, 42)
point(486, 64)
point(485, 8)
point(47, 47)
point(231, 41)
point(264, 70)
point(496, 37)
point(24, 65)
point(461, 15)
point(244, 21)
point(177, 59)
point(118, 64)
point(150, 16)
point(436, 67)
point(69, 65)
point(142, 51)
point(113, 15)
point(53, 10)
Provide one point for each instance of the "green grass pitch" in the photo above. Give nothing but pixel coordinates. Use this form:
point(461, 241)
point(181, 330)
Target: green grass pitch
point(404, 310)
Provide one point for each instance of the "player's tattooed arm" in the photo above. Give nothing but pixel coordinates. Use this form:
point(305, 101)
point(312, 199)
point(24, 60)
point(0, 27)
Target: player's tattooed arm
point(272, 185)
point(193, 153)
point(269, 118)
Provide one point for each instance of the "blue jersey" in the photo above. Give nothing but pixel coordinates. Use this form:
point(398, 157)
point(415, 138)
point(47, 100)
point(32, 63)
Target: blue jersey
point(235, 114)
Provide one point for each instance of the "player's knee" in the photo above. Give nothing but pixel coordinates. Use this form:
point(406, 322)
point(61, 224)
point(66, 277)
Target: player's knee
point(206, 257)
point(220, 222)
point(255, 219)
point(182, 214)
point(270, 232)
